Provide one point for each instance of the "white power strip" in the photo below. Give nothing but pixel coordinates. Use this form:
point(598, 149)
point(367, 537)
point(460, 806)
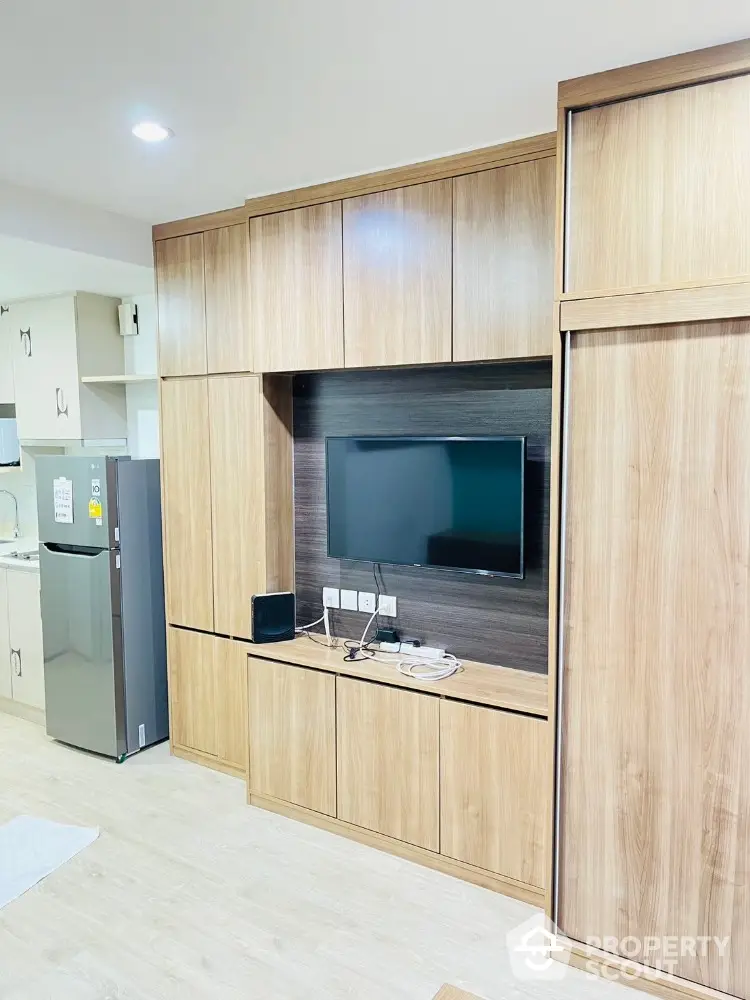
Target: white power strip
point(424, 652)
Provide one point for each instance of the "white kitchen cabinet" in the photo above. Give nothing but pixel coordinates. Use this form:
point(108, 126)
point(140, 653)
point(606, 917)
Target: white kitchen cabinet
point(55, 342)
point(25, 630)
point(7, 391)
point(6, 684)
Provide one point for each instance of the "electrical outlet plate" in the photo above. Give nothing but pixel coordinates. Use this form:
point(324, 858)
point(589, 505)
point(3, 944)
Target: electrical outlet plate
point(330, 597)
point(349, 600)
point(387, 606)
point(366, 601)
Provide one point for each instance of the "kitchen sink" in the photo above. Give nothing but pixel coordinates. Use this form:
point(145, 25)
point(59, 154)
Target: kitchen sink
point(25, 556)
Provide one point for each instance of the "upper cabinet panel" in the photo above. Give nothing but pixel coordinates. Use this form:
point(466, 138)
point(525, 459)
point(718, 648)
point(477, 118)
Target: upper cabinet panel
point(659, 189)
point(181, 305)
point(503, 262)
point(228, 345)
point(296, 302)
point(397, 276)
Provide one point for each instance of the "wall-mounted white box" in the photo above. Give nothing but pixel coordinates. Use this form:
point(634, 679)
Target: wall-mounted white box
point(366, 601)
point(387, 606)
point(330, 597)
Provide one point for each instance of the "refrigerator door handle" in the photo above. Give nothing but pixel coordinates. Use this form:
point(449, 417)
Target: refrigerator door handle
point(61, 550)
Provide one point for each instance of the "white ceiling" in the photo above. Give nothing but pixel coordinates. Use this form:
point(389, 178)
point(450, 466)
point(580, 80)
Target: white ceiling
point(266, 95)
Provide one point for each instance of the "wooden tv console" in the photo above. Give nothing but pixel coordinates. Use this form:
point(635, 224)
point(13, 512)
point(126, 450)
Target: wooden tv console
point(451, 774)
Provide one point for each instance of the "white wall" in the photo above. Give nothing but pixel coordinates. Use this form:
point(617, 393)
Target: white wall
point(142, 397)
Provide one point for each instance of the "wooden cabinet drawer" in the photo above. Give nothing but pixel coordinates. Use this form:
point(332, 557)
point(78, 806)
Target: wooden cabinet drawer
point(387, 750)
point(292, 734)
point(493, 786)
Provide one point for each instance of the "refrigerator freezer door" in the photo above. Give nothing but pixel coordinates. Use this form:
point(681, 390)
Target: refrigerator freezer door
point(81, 625)
point(77, 500)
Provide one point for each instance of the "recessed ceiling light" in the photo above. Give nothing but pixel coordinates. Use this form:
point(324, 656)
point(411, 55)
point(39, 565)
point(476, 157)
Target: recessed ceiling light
point(151, 132)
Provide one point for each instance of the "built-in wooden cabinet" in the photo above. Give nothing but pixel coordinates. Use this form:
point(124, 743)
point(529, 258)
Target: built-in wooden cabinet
point(388, 761)
point(493, 790)
point(21, 653)
point(227, 475)
point(657, 190)
point(208, 696)
point(186, 503)
point(250, 441)
point(397, 276)
point(503, 261)
point(201, 283)
point(292, 735)
point(296, 306)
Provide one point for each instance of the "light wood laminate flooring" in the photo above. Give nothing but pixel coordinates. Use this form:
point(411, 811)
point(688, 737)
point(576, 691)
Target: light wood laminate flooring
point(189, 894)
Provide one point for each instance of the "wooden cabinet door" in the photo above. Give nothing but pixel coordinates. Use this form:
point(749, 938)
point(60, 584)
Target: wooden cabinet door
point(228, 344)
point(181, 305)
point(493, 786)
point(397, 276)
point(192, 691)
point(237, 499)
point(503, 261)
point(186, 495)
point(659, 189)
point(292, 734)
point(387, 760)
point(230, 672)
point(6, 686)
point(296, 300)
point(25, 627)
point(655, 737)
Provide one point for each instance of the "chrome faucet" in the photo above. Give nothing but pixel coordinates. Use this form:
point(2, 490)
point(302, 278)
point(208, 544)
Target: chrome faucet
point(17, 526)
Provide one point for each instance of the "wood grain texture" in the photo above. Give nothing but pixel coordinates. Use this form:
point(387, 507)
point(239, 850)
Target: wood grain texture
point(415, 173)
point(681, 305)
point(209, 761)
point(230, 673)
point(186, 500)
point(296, 304)
point(192, 690)
point(639, 977)
point(387, 758)
point(454, 993)
point(681, 70)
point(480, 683)
point(503, 253)
point(237, 499)
point(292, 734)
point(397, 276)
point(228, 342)
point(200, 223)
point(399, 848)
point(500, 621)
point(278, 482)
point(637, 165)
point(181, 305)
point(656, 693)
point(493, 790)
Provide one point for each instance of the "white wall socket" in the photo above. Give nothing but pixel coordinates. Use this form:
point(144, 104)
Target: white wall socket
point(349, 600)
point(387, 606)
point(366, 601)
point(330, 597)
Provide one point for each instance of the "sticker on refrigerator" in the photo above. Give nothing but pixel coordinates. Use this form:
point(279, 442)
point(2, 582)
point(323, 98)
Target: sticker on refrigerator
point(95, 509)
point(63, 500)
point(96, 487)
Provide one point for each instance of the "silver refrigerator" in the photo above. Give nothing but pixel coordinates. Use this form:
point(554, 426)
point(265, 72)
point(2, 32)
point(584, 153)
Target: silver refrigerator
point(102, 586)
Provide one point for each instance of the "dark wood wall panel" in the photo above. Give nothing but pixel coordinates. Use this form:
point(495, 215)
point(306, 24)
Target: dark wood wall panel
point(493, 620)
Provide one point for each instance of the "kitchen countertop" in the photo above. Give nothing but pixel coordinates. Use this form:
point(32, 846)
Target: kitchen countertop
point(19, 545)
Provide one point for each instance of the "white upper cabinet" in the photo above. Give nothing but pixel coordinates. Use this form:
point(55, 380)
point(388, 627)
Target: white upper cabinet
point(54, 343)
point(7, 390)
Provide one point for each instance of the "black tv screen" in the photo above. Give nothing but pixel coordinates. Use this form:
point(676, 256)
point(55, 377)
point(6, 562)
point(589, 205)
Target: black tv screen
point(455, 503)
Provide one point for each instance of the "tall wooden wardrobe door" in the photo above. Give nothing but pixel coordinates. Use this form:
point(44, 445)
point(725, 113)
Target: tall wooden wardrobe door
point(655, 796)
point(186, 492)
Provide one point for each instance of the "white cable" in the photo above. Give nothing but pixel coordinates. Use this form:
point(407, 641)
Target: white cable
point(429, 670)
point(328, 626)
point(323, 617)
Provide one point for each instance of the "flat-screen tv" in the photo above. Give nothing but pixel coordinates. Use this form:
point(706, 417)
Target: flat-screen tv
point(450, 502)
